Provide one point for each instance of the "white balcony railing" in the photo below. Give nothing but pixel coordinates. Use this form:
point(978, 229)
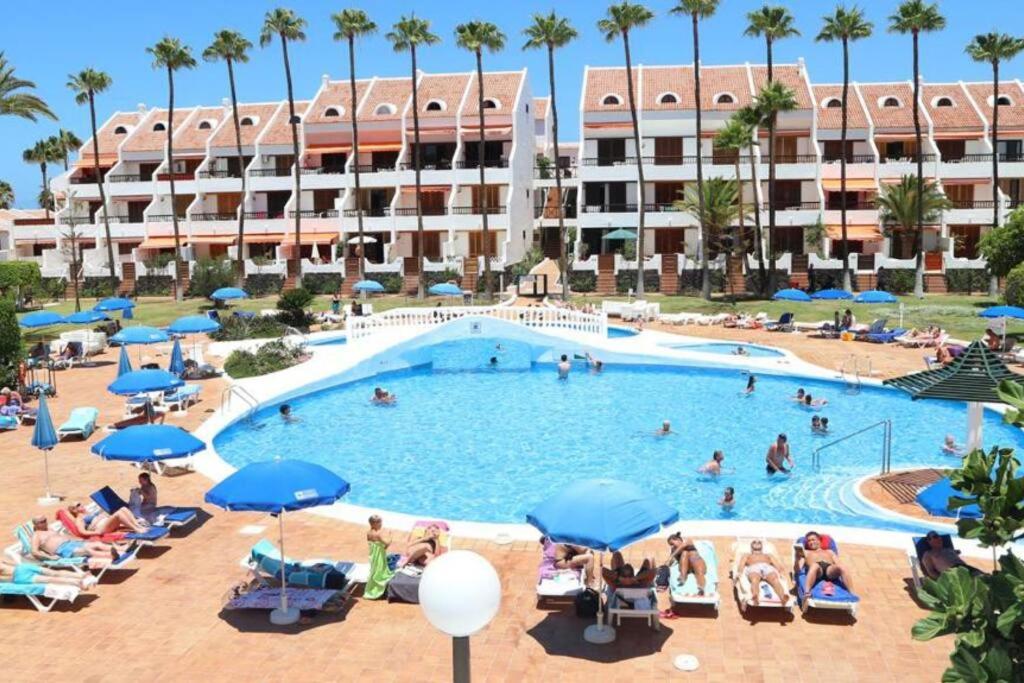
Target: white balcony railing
point(539, 318)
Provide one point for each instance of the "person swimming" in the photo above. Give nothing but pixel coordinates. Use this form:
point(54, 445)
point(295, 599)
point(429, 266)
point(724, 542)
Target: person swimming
point(493, 362)
point(778, 457)
point(951, 447)
point(564, 367)
point(594, 364)
point(750, 385)
point(713, 467)
point(383, 397)
point(740, 351)
point(728, 499)
point(814, 403)
point(824, 425)
point(666, 429)
point(798, 396)
point(816, 425)
point(286, 414)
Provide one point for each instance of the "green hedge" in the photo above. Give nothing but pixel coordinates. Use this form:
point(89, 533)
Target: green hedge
point(437, 277)
point(209, 275)
point(263, 284)
point(826, 278)
point(692, 280)
point(582, 281)
point(967, 280)
point(626, 280)
point(270, 357)
point(896, 280)
point(259, 327)
point(322, 283)
point(10, 344)
point(1015, 286)
point(18, 274)
point(154, 285)
point(98, 287)
point(51, 288)
point(391, 282)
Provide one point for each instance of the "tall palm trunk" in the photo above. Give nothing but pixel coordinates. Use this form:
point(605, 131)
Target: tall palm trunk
point(842, 165)
point(421, 280)
point(772, 279)
point(993, 281)
point(103, 197)
point(178, 291)
point(563, 248)
point(762, 278)
point(705, 283)
point(488, 283)
point(46, 188)
point(73, 236)
point(241, 168)
point(295, 166)
point(641, 194)
point(355, 146)
point(737, 246)
point(919, 272)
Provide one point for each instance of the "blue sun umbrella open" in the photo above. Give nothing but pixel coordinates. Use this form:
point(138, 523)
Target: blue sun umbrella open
point(193, 324)
point(148, 443)
point(620, 234)
point(144, 381)
point(790, 295)
point(44, 437)
point(875, 296)
point(278, 486)
point(446, 289)
point(368, 286)
point(1003, 312)
point(86, 317)
point(41, 319)
point(226, 293)
point(116, 303)
point(139, 334)
point(832, 295)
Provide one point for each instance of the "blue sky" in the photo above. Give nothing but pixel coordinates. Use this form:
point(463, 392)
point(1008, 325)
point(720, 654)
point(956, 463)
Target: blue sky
point(47, 42)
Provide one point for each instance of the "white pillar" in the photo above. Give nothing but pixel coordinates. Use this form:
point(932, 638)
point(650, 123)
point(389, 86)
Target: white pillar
point(975, 414)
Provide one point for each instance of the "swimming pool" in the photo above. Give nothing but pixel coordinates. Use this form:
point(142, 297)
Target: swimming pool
point(615, 332)
point(470, 442)
point(753, 350)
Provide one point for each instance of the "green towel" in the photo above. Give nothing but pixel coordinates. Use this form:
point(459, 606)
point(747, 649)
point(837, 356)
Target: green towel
point(379, 572)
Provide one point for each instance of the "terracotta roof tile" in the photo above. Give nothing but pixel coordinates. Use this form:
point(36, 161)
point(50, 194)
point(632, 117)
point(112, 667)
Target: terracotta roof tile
point(1011, 116)
point(393, 91)
point(716, 81)
point(788, 74)
point(260, 113)
point(540, 107)
point(279, 131)
point(660, 80)
point(502, 87)
point(960, 116)
point(145, 139)
point(447, 89)
point(108, 139)
point(831, 118)
point(192, 137)
point(889, 118)
point(602, 82)
point(336, 94)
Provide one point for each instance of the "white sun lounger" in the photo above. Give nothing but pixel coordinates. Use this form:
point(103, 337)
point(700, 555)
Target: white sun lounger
point(566, 583)
point(741, 583)
point(637, 603)
point(43, 596)
point(686, 593)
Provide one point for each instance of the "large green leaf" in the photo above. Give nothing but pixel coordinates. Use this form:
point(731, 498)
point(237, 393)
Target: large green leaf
point(997, 664)
point(967, 667)
point(932, 626)
point(1010, 620)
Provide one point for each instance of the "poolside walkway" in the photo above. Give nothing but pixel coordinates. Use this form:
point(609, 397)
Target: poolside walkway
point(163, 620)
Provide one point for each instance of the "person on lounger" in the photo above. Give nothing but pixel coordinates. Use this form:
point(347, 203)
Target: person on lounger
point(99, 523)
point(939, 558)
point(778, 457)
point(421, 551)
point(943, 356)
point(30, 573)
point(143, 499)
point(683, 551)
point(48, 544)
point(713, 467)
point(575, 557)
point(624, 575)
point(822, 564)
point(758, 566)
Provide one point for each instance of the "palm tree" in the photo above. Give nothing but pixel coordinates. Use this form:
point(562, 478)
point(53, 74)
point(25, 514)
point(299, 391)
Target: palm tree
point(900, 208)
point(735, 137)
point(288, 26)
point(751, 119)
point(6, 195)
point(86, 84)
point(551, 31)
point(352, 24)
point(844, 25)
point(41, 153)
point(773, 98)
point(916, 17)
point(995, 48)
point(171, 54)
point(697, 10)
point(66, 142)
point(232, 48)
point(407, 34)
point(771, 23)
point(621, 19)
point(476, 36)
point(716, 210)
point(14, 101)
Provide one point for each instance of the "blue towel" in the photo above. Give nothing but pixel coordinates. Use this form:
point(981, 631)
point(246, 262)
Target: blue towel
point(22, 588)
point(153, 533)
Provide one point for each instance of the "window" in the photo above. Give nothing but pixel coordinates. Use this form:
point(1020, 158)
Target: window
point(159, 127)
point(491, 104)
point(205, 125)
point(668, 98)
point(725, 98)
point(1004, 101)
point(386, 109)
point(833, 103)
point(435, 105)
point(611, 100)
point(246, 121)
point(120, 130)
point(331, 112)
point(942, 102)
point(295, 119)
point(891, 102)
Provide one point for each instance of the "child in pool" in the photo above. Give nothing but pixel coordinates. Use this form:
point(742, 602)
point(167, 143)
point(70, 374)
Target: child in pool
point(951, 447)
point(728, 499)
point(750, 386)
point(816, 425)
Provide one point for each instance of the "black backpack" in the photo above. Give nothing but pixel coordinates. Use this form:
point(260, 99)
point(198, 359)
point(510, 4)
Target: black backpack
point(587, 603)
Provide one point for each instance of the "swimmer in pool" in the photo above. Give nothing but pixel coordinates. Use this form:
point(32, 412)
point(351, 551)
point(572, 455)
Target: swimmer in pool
point(814, 403)
point(951, 447)
point(382, 397)
point(778, 457)
point(666, 429)
point(750, 386)
point(493, 362)
point(798, 396)
point(824, 425)
point(740, 351)
point(728, 499)
point(594, 364)
point(564, 367)
point(713, 467)
point(286, 414)
point(816, 425)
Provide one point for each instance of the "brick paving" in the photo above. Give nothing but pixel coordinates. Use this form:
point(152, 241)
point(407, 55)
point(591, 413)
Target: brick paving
point(163, 619)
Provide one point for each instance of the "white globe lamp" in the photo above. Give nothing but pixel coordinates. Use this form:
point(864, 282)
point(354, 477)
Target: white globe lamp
point(460, 593)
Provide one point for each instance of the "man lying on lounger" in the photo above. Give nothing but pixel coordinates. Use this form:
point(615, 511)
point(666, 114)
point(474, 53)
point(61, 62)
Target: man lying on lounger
point(758, 566)
point(939, 558)
point(51, 545)
point(29, 573)
point(822, 564)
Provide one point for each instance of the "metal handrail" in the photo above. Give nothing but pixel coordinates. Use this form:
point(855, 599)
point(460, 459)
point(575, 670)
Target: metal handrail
point(243, 394)
point(886, 444)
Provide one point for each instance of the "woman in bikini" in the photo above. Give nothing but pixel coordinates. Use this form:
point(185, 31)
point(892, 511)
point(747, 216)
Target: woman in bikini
point(685, 553)
point(100, 523)
point(568, 556)
point(421, 551)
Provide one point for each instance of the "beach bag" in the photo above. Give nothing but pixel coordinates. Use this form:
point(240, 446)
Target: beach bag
point(662, 579)
point(587, 603)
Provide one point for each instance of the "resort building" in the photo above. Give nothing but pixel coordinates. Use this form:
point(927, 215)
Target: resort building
point(599, 177)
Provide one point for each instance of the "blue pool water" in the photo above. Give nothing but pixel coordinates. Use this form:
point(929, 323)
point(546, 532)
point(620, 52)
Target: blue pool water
point(467, 442)
point(614, 332)
point(329, 341)
point(752, 350)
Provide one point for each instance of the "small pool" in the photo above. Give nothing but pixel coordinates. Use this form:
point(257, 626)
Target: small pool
point(614, 332)
point(727, 349)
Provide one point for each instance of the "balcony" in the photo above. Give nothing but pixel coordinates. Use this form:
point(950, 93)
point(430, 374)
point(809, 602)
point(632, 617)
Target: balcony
point(851, 206)
point(972, 204)
point(378, 212)
point(969, 159)
point(790, 158)
point(215, 216)
point(164, 218)
point(118, 219)
point(424, 210)
point(1012, 157)
point(336, 169)
point(924, 158)
point(609, 208)
point(609, 161)
point(223, 173)
point(374, 168)
point(548, 172)
point(488, 163)
point(264, 215)
point(850, 159)
point(312, 213)
point(270, 172)
point(662, 207)
point(129, 178)
point(439, 165)
point(83, 180)
point(785, 205)
point(477, 210)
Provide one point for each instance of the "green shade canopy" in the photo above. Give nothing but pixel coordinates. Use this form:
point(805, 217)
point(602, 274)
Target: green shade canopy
point(973, 376)
point(620, 234)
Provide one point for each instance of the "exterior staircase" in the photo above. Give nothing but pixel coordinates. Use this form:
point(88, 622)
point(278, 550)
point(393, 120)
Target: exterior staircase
point(127, 285)
point(606, 274)
point(935, 283)
point(470, 273)
point(865, 281)
point(351, 276)
point(291, 279)
point(669, 282)
point(411, 279)
point(736, 282)
point(182, 279)
point(798, 278)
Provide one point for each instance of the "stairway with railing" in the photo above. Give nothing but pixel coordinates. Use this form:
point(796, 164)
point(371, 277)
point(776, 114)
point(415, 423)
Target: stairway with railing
point(886, 450)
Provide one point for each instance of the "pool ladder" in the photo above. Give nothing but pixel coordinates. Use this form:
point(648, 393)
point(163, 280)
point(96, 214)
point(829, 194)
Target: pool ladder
point(850, 370)
point(886, 426)
point(243, 395)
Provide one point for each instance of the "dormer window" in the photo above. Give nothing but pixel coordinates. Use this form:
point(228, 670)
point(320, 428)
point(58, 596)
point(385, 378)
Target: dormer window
point(491, 104)
point(435, 105)
point(943, 102)
point(120, 130)
point(611, 100)
point(205, 125)
point(725, 98)
point(331, 112)
point(386, 109)
point(833, 103)
point(1003, 101)
point(668, 98)
point(157, 127)
point(295, 119)
point(247, 121)
point(891, 103)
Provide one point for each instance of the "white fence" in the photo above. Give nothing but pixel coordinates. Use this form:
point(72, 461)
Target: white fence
point(541, 318)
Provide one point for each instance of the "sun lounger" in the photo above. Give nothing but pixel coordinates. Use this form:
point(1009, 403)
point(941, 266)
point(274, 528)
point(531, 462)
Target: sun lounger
point(783, 324)
point(21, 551)
point(181, 398)
point(43, 596)
point(922, 341)
point(148, 537)
point(884, 337)
point(916, 552)
point(557, 583)
point(165, 515)
point(637, 603)
point(685, 593)
point(841, 599)
point(741, 582)
point(264, 561)
point(81, 422)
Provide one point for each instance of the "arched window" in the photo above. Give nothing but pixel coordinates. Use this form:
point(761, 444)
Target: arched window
point(435, 105)
point(891, 102)
point(943, 102)
point(246, 121)
point(295, 119)
point(205, 125)
point(331, 112)
point(1004, 101)
point(611, 100)
point(386, 109)
point(159, 126)
point(668, 98)
point(833, 103)
point(120, 130)
point(725, 98)
point(491, 104)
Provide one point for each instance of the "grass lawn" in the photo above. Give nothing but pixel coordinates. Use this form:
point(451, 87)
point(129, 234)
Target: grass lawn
point(955, 313)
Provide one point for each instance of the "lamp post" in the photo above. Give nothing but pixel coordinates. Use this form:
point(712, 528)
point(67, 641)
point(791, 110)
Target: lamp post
point(460, 593)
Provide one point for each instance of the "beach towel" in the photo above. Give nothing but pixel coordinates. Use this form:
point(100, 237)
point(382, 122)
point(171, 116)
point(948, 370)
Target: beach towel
point(380, 573)
point(688, 590)
point(270, 598)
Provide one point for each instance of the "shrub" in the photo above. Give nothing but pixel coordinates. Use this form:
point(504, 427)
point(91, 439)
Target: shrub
point(897, 280)
point(263, 284)
point(391, 282)
point(446, 275)
point(51, 288)
point(271, 357)
point(825, 278)
point(98, 287)
point(582, 281)
point(210, 275)
point(967, 280)
point(154, 285)
point(1003, 249)
point(236, 329)
point(10, 344)
point(292, 305)
point(14, 274)
point(1015, 286)
point(691, 281)
point(626, 280)
point(322, 283)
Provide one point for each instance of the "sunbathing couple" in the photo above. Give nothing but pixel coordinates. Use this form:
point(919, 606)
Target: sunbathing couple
point(48, 544)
